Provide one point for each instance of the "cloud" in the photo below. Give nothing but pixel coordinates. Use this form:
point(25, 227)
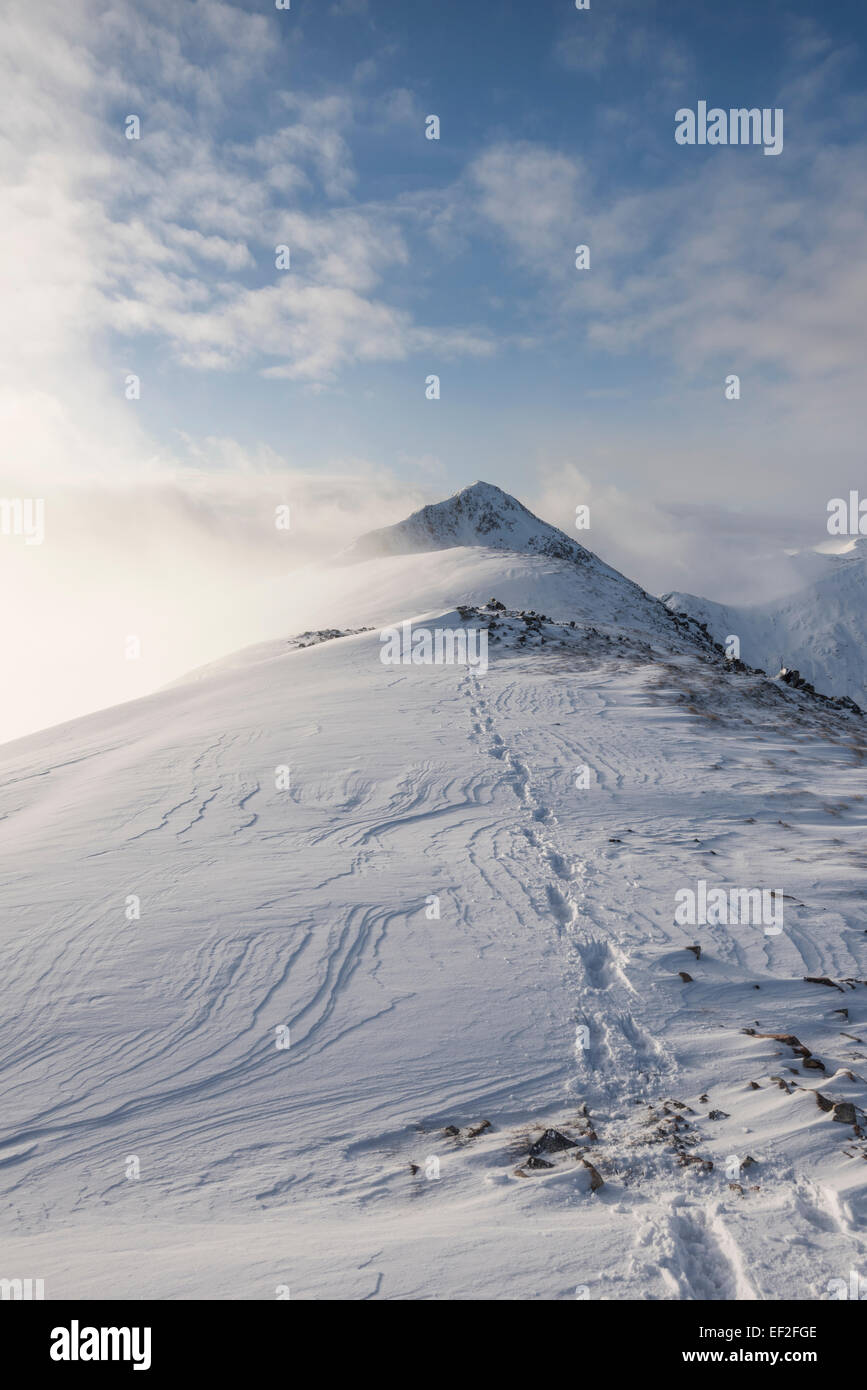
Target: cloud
point(189, 560)
point(715, 547)
point(721, 264)
point(726, 263)
point(124, 236)
point(106, 240)
point(624, 39)
point(529, 194)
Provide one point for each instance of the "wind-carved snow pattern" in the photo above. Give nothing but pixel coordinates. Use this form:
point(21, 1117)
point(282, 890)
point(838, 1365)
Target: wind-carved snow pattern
point(507, 1071)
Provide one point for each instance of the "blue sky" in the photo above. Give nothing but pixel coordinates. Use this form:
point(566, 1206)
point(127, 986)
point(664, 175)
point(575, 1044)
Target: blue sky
point(412, 257)
point(579, 107)
point(456, 255)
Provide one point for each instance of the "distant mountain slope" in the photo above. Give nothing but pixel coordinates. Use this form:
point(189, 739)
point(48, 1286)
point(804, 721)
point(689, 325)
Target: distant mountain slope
point(821, 629)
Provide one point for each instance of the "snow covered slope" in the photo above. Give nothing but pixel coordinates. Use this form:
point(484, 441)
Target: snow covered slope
point(453, 897)
point(821, 628)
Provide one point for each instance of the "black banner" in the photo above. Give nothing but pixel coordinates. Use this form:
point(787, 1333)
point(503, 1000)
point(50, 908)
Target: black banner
point(154, 1339)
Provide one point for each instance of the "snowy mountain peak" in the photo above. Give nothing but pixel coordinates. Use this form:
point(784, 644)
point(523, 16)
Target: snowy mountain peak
point(482, 541)
point(480, 515)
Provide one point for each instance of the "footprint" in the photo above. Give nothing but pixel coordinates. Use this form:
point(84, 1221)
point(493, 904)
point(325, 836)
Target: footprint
point(637, 1037)
point(562, 910)
point(597, 961)
point(560, 866)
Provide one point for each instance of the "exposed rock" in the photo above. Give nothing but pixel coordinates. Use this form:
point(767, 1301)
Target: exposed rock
point(552, 1141)
point(788, 1038)
point(687, 979)
point(313, 639)
point(844, 1111)
point(685, 1159)
point(479, 1129)
point(596, 1179)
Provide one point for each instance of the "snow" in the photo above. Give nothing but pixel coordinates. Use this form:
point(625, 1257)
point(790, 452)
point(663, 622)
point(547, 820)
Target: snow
point(820, 629)
point(308, 906)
